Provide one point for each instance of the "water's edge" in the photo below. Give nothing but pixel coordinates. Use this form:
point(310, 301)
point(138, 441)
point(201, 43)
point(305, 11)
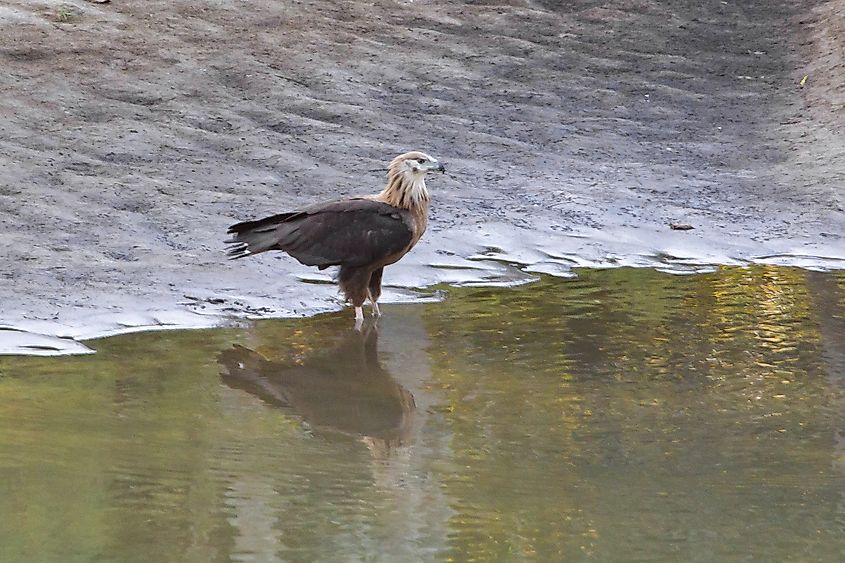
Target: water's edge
point(414, 280)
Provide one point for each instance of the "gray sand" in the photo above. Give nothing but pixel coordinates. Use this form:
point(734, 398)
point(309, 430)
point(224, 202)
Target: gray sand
point(133, 133)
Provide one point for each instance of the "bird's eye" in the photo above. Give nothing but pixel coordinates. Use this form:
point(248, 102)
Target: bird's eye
point(421, 160)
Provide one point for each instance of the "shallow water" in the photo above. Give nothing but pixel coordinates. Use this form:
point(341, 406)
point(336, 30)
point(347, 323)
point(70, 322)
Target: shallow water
point(624, 415)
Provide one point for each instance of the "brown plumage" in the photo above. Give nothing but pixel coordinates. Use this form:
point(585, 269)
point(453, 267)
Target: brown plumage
point(362, 235)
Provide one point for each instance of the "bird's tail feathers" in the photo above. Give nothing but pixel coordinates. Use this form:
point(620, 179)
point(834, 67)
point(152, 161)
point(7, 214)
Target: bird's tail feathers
point(253, 237)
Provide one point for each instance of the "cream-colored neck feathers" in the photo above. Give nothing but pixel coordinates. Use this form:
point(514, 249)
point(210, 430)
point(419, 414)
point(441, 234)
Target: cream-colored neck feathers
point(405, 191)
point(405, 186)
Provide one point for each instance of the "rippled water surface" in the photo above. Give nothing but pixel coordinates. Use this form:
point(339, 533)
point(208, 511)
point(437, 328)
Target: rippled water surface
point(624, 415)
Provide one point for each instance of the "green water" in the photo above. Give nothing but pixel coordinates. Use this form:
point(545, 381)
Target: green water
point(626, 415)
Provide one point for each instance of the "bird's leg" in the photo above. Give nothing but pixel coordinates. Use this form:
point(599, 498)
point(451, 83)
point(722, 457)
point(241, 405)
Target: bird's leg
point(374, 290)
point(359, 318)
point(376, 310)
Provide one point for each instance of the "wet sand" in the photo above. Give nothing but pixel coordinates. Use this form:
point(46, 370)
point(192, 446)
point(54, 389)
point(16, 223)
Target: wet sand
point(133, 133)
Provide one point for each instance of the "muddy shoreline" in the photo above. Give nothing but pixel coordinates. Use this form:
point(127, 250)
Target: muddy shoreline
point(133, 133)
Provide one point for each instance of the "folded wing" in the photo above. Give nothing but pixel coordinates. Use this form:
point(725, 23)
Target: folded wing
point(351, 232)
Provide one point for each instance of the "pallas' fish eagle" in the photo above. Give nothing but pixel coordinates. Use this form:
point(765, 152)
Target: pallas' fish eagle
point(362, 235)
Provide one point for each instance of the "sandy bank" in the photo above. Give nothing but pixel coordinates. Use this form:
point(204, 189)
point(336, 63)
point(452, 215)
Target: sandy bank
point(132, 133)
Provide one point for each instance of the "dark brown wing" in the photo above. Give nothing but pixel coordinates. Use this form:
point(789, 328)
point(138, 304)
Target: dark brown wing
point(352, 232)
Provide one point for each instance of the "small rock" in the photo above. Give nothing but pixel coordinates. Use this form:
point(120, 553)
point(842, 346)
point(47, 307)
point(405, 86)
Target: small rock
point(680, 226)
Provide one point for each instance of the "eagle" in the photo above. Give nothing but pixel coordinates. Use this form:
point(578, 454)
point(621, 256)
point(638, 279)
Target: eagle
point(361, 234)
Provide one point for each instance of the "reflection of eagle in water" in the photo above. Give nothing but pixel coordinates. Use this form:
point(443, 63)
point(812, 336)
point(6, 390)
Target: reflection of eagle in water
point(362, 235)
point(344, 389)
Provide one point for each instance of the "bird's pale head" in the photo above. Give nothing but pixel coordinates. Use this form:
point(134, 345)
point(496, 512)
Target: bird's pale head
point(406, 179)
point(414, 163)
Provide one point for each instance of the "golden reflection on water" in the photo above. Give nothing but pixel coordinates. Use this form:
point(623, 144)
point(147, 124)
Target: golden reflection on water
point(709, 380)
point(623, 415)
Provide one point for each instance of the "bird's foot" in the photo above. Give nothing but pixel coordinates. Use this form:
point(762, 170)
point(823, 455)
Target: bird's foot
point(376, 310)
